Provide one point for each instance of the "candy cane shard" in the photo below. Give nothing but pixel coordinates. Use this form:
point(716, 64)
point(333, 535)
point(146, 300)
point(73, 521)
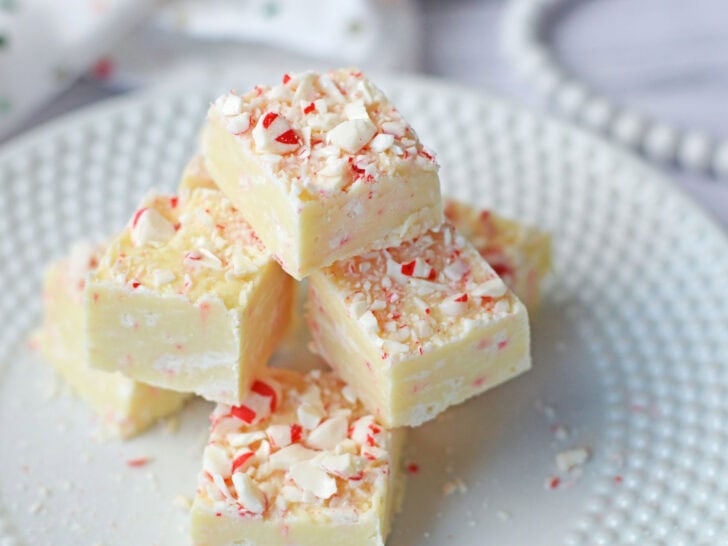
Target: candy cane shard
point(417, 328)
point(323, 167)
point(125, 407)
point(520, 254)
point(303, 482)
point(187, 299)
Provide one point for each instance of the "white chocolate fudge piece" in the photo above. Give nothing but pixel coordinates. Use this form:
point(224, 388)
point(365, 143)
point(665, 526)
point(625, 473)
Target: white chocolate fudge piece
point(323, 167)
point(299, 462)
point(186, 298)
point(124, 407)
point(519, 254)
point(195, 176)
point(417, 328)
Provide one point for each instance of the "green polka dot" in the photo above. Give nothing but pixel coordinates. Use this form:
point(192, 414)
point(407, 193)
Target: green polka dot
point(4, 105)
point(271, 9)
point(8, 5)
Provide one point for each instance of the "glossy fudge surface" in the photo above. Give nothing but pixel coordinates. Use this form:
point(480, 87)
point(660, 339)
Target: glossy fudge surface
point(323, 167)
point(300, 461)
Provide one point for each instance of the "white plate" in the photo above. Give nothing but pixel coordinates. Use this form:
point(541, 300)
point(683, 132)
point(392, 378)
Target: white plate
point(630, 348)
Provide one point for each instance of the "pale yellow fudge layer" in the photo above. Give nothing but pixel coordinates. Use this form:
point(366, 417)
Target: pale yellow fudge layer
point(323, 167)
point(186, 298)
point(124, 407)
point(300, 462)
point(520, 254)
point(417, 328)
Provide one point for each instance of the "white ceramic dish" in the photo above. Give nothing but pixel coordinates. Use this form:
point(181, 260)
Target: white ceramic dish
point(630, 348)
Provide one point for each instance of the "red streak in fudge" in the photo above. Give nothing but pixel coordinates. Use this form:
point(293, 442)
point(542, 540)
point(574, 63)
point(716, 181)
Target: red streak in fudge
point(310, 108)
point(286, 79)
point(413, 468)
point(502, 344)
point(554, 482)
point(173, 201)
point(204, 311)
point(462, 298)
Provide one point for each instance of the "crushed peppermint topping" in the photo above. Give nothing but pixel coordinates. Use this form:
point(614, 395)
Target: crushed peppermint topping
point(150, 227)
point(273, 134)
point(410, 298)
point(193, 246)
point(323, 131)
point(268, 456)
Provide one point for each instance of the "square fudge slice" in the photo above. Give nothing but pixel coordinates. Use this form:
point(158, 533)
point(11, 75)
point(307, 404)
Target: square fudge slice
point(323, 167)
point(417, 328)
point(519, 254)
point(124, 407)
point(300, 462)
point(187, 298)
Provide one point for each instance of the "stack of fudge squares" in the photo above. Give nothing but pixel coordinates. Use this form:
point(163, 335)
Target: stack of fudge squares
point(317, 178)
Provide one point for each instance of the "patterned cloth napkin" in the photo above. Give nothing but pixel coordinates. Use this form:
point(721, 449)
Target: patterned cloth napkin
point(45, 45)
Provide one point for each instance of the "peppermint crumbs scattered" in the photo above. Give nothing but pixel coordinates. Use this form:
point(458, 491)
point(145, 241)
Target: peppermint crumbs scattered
point(454, 486)
point(572, 459)
point(503, 515)
point(569, 462)
point(138, 462)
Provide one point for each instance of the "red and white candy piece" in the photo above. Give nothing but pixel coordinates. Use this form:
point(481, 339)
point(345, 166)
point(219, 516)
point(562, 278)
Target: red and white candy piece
point(382, 142)
point(343, 466)
point(352, 135)
point(455, 305)
point(492, 288)
point(250, 497)
point(311, 478)
point(273, 134)
point(149, 227)
point(290, 455)
point(279, 435)
point(258, 404)
point(238, 124)
point(364, 431)
point(417, 268)
point(329, 433)
point(215, 460)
